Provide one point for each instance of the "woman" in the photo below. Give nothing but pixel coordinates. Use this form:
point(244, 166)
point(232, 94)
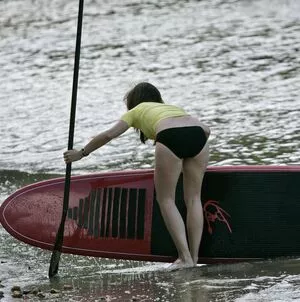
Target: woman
point(180, 146)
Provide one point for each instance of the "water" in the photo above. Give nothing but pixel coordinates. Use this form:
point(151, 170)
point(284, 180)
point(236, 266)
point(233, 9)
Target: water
point(235, 64)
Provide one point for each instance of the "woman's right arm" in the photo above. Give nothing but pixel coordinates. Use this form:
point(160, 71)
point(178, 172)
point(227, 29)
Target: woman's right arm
point(98, 141)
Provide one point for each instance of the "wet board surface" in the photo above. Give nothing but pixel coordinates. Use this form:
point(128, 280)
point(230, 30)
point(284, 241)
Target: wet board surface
point(250, 212)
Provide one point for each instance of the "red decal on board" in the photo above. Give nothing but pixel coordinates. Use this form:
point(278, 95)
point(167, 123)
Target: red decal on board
point(212, 212)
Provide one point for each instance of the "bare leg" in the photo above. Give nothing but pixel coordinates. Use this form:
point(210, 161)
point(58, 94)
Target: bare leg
point(167, 170)
point(193, 173)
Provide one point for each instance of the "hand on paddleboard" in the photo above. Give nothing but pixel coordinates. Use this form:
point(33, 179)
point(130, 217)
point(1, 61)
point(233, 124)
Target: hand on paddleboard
point(72, 155)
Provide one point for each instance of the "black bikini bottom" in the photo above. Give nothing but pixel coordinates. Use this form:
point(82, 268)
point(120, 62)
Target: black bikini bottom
point(184, 142)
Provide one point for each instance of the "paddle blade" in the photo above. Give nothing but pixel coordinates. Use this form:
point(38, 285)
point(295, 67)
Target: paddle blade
point(55, 257)
point(53, 269)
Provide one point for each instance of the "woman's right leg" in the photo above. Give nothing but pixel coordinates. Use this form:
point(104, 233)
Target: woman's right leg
point(193, 172)
point(167, 170)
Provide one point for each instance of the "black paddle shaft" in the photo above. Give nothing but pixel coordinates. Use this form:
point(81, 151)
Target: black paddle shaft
point(54, 262)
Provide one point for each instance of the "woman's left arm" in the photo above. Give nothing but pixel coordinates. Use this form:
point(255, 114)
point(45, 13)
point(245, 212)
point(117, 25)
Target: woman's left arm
point(98, 141)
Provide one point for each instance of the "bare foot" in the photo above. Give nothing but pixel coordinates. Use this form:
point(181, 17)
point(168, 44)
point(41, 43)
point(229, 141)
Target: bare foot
point(180, 264)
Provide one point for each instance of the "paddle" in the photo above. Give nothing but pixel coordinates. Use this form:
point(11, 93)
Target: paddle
point(54, 262)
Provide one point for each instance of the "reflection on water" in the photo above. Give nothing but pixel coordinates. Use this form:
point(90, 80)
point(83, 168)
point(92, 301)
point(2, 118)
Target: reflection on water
point(93, 279)
point(235, 64)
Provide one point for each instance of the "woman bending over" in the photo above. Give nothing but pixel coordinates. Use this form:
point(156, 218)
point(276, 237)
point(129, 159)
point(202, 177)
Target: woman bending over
point(180, 146)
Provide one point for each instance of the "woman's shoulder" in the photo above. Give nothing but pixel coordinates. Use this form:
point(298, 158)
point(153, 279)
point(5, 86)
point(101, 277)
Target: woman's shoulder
point(146, 105)
point(154, 105)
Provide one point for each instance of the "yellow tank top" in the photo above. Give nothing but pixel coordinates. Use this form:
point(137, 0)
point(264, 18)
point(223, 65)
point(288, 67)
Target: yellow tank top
point(146, 116)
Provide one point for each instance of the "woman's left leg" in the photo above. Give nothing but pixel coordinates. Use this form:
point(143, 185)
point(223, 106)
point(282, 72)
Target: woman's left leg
point(167, 170)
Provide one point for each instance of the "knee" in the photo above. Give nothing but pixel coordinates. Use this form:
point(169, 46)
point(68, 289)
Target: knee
point(165, 202)
point(191, 202)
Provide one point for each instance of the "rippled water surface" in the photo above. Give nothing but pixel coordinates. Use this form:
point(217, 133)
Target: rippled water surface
point(235, 64)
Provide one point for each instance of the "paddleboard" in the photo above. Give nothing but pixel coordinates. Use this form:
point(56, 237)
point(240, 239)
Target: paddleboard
point(250, 212)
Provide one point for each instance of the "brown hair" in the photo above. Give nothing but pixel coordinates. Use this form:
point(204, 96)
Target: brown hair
point(142, 92)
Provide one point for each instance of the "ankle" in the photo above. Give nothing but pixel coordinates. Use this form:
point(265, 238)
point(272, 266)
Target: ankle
point(186, 259)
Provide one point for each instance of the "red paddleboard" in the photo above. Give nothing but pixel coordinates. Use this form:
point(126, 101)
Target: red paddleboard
point(250, 212)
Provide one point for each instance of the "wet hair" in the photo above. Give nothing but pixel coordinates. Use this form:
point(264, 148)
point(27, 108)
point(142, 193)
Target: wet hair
point(142, 92)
